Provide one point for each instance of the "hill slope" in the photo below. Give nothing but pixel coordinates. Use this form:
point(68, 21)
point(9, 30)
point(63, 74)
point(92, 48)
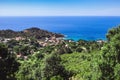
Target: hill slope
point(31, 32)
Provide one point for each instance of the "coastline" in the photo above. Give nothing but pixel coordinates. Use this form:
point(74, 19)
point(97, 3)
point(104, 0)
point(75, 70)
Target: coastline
point(60, 35)
point(82, 27)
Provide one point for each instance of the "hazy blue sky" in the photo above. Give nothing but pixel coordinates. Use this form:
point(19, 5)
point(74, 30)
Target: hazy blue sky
point(59, 7)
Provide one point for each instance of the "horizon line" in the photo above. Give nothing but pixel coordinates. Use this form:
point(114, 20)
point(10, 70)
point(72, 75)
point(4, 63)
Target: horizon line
point(65, 16)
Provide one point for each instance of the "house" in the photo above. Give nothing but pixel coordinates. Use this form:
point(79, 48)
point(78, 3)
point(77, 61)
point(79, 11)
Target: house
point(19, 38)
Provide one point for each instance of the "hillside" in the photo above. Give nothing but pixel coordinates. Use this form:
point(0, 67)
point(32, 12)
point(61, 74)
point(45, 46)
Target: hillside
point(66, 60)
point(31, 32)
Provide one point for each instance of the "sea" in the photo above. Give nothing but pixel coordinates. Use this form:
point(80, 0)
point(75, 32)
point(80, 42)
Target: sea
point(73, 27)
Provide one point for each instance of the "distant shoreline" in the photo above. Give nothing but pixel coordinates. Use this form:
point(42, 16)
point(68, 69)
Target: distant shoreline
point(75, 27)
point(64, 37)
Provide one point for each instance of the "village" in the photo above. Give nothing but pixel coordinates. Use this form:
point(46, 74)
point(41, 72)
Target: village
point(29, 44)
point(43, 42)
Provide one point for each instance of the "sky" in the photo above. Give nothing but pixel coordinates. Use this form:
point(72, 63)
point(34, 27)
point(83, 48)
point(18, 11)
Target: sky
point(59, 8)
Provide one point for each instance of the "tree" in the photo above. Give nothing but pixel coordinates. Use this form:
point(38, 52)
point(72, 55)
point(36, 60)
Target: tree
point(112, 32)
point(31, 69)
point(8, 64)
point(53, 68)
point(111, 56)
point(83, 66)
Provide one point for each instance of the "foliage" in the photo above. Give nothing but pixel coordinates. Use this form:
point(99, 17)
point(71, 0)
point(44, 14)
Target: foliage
point(42, 67)
point(8, 64)
point(84, 66)
point(53, 68)
point(81, 60)
point(111, 56)
point(31, 69)
point(30, 33)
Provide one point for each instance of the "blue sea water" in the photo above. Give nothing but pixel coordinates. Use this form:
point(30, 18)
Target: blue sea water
point(73, 27)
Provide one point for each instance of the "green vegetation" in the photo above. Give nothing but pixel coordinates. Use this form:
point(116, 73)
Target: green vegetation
point(85, 66)
point(111, 56)
point(68, 60)
point(8, 64)
point(31, 32)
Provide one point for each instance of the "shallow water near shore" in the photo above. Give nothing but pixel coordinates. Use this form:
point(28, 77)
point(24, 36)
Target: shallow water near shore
point(73, 27)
